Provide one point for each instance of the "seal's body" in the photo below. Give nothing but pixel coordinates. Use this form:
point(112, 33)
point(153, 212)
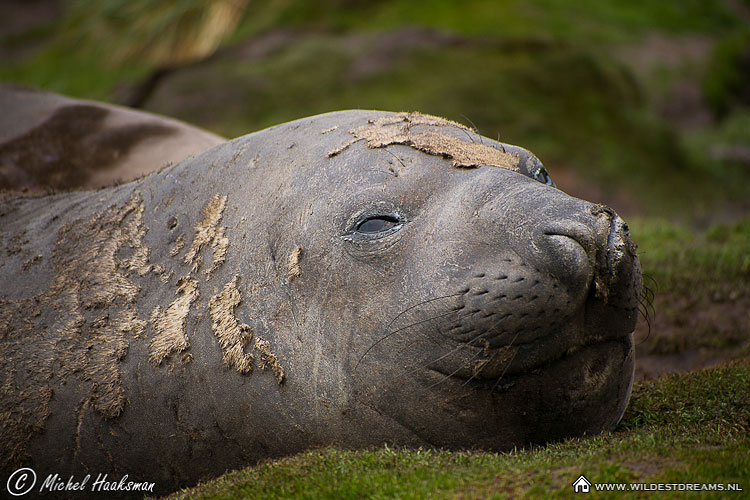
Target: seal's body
point(49, 141)
point(354, 278)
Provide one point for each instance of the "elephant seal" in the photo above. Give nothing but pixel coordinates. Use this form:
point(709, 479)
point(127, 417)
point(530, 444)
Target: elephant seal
point(48, 141)
point(355, 278)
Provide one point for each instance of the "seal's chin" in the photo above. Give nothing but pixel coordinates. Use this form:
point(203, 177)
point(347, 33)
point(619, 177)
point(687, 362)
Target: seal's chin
point(583, 390)
point(500, 374)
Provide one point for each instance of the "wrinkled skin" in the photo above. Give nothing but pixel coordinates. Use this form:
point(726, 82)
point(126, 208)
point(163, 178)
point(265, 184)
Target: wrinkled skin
point(481, 309)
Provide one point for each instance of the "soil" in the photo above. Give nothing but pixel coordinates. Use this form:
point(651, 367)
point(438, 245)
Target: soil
point(693, 330)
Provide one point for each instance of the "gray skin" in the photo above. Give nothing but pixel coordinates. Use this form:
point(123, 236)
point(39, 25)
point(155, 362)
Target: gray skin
point(49, 141)
point(487, 309)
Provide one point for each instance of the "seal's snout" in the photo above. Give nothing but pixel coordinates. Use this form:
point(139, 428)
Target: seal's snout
point(592, 252)
point(569, 253)
point(618, 274)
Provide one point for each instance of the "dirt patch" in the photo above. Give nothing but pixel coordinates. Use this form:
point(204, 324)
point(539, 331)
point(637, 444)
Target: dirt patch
point(681, 103)
point(169, 325)
point(79, 327)
point(659, 50)
point(233, 336)
point(208, 232)
point(692, 331)
point(293, 269)
point(398, 129)
point(648, 467)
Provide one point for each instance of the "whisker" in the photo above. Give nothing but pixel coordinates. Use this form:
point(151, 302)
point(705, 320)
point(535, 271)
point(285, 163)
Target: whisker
point(510, 362)
point(646, 310)
point(396, 157)
point(410, 325)
point(446, 377)
point(410, 308)
point(468, 135)
point(652, 280)
point(461, 346)
point(474, 127)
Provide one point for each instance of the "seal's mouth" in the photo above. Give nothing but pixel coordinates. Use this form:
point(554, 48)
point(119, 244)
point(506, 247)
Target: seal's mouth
point(500, 365)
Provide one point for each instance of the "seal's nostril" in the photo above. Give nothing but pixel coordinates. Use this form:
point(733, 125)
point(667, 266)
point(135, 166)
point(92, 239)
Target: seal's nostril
point(568, 259)
point(576, 231)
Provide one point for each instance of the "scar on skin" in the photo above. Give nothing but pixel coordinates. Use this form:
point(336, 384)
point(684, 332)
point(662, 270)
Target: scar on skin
point(390, 130)
point(293, 269)
point(329, 130)
point(233, 336)
point(169, 325)
point(208, 232)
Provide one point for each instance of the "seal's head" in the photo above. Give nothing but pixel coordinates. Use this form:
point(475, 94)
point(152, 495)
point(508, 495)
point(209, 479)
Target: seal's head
point(473, 303)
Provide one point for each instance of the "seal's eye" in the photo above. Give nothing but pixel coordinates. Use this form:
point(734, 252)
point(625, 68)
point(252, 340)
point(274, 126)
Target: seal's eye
point(542, 176)
point(377, 224)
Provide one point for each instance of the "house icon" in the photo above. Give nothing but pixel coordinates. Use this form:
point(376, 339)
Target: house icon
point(581, 485)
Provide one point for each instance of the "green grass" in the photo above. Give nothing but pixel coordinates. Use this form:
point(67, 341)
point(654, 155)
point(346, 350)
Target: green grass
point(586, 20)
point(584, 23)
point(683, 428)
point(56, 69)
point(680, 259)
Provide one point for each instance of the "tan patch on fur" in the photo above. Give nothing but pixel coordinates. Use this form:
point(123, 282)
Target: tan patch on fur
point(89, 315)
point(233, 336)
point(293, 269)
point(219, 244)
point(268, 359)
point(398, 130)
point(208, 232)
point(166, 276)
point(169, 326)
point(178, 245)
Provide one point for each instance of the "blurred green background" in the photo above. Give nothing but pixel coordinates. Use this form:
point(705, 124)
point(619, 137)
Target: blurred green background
point(639, 104)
